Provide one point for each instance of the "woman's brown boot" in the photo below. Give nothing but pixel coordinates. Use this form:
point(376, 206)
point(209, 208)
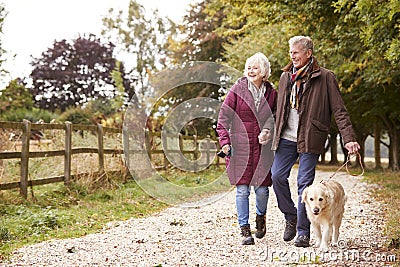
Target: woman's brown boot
point(246, 233)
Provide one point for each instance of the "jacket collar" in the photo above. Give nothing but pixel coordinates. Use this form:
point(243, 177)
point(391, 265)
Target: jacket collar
point(315, 67)
point(247, 96)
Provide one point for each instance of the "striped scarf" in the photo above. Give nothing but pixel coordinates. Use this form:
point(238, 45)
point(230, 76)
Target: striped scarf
point(296, 79)
point(257, 93)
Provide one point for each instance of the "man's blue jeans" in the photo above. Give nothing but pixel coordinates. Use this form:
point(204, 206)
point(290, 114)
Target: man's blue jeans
point(285, 157)
point(242, 202)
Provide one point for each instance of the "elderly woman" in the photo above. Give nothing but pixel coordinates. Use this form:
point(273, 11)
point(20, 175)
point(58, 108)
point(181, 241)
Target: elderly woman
point(245, 125)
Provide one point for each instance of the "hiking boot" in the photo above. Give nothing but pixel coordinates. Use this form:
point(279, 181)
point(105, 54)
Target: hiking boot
point(302, 241)
point(246, 233)
point(290, 230)
point(260, 226)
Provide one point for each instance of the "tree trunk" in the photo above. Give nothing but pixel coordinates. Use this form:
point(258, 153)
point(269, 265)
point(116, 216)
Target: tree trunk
point(333, 142)
point(362, 139)
point(344, 150)
point(377, 146)
point(326, 148)
point(390, 148)
point(394, 148)
point(394, 142)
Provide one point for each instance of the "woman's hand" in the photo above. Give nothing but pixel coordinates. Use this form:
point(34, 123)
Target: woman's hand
point(265, 136)
point(226, 149)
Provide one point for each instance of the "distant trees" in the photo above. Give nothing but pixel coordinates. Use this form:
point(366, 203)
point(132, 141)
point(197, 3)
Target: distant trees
point(15, 95)
point(16, 104)
point(73, 73)
point(142, 42)
point(3, 14)
point(200, 42)
point(357, 39)
point(196, 41)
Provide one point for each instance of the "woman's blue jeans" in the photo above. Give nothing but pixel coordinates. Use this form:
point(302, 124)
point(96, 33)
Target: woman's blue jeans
point(242, 202)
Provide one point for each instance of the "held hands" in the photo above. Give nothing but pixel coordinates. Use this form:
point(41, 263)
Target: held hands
point(226, 149)
point(352, 147)
point(265, 136)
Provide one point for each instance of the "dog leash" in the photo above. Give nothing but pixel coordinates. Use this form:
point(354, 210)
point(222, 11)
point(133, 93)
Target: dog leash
point(349, 157)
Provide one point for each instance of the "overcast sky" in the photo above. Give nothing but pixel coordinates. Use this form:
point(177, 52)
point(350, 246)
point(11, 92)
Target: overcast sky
point(32, 26)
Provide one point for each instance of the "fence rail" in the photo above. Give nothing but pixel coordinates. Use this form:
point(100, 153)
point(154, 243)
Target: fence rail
point(27, 127)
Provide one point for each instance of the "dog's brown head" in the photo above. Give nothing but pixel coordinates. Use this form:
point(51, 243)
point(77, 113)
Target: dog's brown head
point(316, 197)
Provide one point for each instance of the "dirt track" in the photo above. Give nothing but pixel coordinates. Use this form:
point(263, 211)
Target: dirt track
point(209, 236)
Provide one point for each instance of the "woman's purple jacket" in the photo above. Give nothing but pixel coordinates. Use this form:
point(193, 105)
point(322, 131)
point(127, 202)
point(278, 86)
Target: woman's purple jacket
point(239, 124)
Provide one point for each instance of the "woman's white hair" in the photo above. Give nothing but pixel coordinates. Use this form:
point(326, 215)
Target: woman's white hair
point(259, 59)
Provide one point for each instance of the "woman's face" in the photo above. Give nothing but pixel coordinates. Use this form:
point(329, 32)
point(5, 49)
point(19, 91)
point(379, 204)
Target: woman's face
point(254, 73)
point(299, 56)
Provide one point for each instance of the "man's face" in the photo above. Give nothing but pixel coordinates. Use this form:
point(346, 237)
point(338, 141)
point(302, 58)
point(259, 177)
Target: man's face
point(299, 56)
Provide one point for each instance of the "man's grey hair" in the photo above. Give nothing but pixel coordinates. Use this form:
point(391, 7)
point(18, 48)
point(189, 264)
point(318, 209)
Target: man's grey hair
point(305, 41)
point(262, 61)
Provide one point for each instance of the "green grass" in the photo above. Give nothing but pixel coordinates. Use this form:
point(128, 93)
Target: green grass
point(388, 193)
point(56, 211)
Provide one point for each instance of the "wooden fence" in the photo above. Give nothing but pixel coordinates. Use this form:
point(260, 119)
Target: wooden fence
point(25, 154)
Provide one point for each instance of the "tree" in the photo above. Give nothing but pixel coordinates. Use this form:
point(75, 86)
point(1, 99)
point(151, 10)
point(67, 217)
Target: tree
point(196, 41)
point(3, 14)
point(373, 77)
point(71, 74)
point(15, 95)
point(143, 41)
point(16, 104)
point(357, 39)
point(200, 42)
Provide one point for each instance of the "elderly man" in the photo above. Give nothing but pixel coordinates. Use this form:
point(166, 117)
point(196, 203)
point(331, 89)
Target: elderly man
point(308, 95)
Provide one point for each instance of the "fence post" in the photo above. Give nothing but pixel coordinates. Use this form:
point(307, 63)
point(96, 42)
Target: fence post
point(100, 140)
point(148, 142)
point(125, 140)
point(196, 152)
point(208, 144)
point(26, 136)
point(68, 152)
point(164, 142)
point(218, 161)
point(181, 148)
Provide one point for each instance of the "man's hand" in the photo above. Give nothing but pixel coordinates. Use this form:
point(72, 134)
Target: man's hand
point(352, 147)
point(265, 136)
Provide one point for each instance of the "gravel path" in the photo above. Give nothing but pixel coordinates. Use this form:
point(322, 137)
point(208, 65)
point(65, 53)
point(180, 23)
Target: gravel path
point(209, 236)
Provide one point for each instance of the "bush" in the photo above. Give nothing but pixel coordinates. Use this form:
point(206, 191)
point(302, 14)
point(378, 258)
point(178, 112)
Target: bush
point(76, 115)
point(34, 115)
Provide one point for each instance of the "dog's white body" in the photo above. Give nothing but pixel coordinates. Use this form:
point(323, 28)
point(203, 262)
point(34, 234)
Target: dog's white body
point(324, 204)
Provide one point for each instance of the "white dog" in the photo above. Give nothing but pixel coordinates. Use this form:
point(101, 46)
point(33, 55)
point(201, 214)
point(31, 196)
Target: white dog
point(324, 204)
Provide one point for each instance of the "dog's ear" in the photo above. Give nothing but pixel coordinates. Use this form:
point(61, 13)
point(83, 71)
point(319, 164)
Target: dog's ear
point(304, 195)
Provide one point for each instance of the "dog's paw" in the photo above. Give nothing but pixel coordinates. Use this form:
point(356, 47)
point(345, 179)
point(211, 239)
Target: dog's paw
point(324, 248)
